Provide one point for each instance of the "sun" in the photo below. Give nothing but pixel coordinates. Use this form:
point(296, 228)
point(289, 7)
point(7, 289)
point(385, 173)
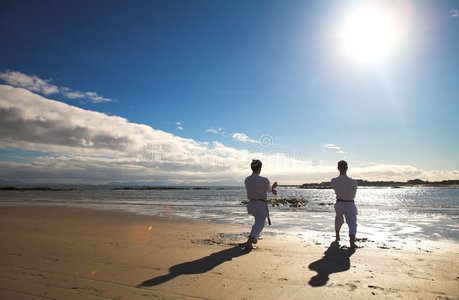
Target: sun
point(369, 34)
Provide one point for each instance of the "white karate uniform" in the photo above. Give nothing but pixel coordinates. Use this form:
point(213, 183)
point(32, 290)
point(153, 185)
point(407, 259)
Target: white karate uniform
point(257, 188)
point(345, 189)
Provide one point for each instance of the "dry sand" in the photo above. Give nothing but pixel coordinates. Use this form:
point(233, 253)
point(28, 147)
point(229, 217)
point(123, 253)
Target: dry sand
point(60, 253)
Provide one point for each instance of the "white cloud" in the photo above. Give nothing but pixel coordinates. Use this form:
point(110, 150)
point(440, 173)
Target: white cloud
point(71, 94)
point(454, 13)
point(332, 146)
point(92, 96)
point(335, 148)
point(92, 147)
point(242, 137)
point(33, 83)
point(98, 99)
point(218, 130)
point(179, 125)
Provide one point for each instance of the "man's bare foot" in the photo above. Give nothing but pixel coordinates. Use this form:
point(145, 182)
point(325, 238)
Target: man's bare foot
point(249, 244)
point(249, 247)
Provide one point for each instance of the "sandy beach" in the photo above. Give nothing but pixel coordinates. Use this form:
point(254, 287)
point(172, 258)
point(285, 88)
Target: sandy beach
point(62, 253)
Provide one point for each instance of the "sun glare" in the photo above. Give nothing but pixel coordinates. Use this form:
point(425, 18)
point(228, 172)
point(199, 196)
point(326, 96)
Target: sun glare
point(369, 34)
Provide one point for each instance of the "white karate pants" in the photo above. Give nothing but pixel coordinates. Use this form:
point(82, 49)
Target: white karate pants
point(259, 210)
point(348, 210)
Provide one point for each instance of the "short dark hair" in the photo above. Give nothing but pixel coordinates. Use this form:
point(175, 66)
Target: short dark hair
point(255, 165)
point(342, 165)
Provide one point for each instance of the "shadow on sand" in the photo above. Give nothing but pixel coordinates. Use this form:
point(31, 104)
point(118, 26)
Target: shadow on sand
point(198, 266)
point(336, 260)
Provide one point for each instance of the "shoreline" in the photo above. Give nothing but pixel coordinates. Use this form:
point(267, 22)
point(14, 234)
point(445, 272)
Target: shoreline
point(52, 252)
point(319, 235)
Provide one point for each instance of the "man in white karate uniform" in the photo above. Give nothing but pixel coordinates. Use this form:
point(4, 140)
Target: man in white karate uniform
point(257, 188)
point(345, 189)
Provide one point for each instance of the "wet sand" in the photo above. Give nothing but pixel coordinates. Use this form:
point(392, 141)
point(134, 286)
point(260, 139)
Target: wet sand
point(57, 253)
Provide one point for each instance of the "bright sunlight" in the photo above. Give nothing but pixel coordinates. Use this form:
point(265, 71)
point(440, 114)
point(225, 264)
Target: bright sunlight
point(369, 34)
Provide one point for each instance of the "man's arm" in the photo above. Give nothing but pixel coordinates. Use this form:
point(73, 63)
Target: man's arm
point(332, 184)
point(270, 188)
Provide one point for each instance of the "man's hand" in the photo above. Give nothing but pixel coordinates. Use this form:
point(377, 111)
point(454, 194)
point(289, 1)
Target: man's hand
point(273, 188)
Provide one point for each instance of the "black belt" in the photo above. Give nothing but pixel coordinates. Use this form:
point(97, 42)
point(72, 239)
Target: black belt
point(341, 200)
point(265, 201)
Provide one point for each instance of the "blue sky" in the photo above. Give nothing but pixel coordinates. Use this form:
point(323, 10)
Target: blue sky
point(240, 79)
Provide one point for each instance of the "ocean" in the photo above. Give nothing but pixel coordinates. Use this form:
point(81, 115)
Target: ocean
point(388, 217)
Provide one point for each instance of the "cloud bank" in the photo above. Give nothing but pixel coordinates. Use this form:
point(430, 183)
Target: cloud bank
point(85, 146)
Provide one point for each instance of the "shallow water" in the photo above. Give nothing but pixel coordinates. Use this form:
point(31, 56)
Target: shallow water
point(387, 217)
